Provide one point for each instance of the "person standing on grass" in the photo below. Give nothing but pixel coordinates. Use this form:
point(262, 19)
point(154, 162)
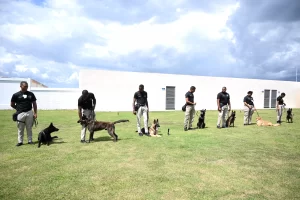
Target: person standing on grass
point(190, 109)
point(87, 103)
point(141, 108)
point(279, 106)
point(23, 101)
point(224, 106)
point(249, 108)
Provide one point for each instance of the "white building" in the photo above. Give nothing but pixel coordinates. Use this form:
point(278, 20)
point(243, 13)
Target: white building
point(114, 91)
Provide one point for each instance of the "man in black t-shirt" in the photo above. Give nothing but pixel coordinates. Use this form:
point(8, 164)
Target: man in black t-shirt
point(224, 106)
point(87, 103)
point(279, 106)
point(190, 109)
point(23, 101)
point(141, 108)
point(249, 108)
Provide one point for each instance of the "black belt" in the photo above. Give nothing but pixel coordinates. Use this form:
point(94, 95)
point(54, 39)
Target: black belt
point(142, 104)
point(25, 110)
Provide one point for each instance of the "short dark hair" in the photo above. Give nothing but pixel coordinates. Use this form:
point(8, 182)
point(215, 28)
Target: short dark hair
point(224, 87)
point(283, 94)
point(192, 88)
point(141, 86)
point(85, 92)
point(250, 92)
point(23, 82)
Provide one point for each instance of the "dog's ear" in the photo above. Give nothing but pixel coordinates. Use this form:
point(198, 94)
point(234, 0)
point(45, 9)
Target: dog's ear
point(157, 120)
point(154, 121)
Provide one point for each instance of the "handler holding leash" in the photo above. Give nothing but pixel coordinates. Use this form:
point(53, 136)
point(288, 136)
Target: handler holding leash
point(23, 101)
point(224, 106)
point(280, 106)
point(248, 108)
point(141, 108)
point(87, 103)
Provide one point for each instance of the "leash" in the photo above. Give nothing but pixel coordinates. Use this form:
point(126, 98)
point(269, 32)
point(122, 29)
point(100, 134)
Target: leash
point(257, 113)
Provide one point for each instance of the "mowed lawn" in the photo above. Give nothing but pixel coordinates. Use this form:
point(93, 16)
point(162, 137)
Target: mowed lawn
point(244, 162)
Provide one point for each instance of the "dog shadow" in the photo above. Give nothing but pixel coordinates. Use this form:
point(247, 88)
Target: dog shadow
point(105, 138)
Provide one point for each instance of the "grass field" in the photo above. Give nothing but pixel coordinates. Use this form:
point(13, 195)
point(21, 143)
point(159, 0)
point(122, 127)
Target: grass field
point(244, 162)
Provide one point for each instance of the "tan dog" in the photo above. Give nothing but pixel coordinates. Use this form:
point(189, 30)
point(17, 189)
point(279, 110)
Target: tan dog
point(261, 122)
point(153, 129)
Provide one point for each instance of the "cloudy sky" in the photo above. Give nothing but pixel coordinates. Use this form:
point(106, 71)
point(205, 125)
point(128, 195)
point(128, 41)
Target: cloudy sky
point(51, 40)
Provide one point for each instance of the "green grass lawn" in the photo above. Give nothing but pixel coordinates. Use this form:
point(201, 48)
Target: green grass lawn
point(244, 162)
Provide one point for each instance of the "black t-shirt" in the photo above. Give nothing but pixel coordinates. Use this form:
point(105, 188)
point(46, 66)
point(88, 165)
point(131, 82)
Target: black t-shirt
point(248, 100)
point(224, 98)
point(23, 100)
point(87, 102)
point(141, 97)
point(280, 100)
point(190, 97)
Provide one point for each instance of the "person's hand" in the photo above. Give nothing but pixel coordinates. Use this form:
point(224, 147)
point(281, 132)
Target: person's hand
point(229, 109)
point(35, 115)
point(219, 109)
point(134, 112)
point(195, 103)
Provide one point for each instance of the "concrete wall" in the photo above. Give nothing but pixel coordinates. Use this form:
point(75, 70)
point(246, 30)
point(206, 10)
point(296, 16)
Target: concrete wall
point(47, 98)
point(114, 90)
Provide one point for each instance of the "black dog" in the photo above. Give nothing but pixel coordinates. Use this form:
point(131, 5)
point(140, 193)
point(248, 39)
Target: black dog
point(230, 119)
point(45, 135)
point(289, 116)
point(201, 120)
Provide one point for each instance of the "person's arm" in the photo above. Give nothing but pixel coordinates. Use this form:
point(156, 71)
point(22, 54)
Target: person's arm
point(229, 104)
point(133, 103)
point(13, 102)
point(245, 103)
point(218, 102)
point(277, 103)
point(34, 105)
point(147, 101)
point(79, 109)
point(94, 101)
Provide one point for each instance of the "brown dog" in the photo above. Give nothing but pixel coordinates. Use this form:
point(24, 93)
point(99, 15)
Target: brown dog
point(261, 122)
point(230, 119)
point(153, 129)
point(93, 126)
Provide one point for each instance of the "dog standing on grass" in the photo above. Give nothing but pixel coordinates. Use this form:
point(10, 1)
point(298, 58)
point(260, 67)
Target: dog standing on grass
point(289, 116)
point(201, 120)
point(45, 135)
point(230, 119)
point(93, 126)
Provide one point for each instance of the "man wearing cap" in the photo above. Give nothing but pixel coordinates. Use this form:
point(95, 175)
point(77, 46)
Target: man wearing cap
point(87, 103)
point(249, 108)
point(279, 106)
point(141, 108)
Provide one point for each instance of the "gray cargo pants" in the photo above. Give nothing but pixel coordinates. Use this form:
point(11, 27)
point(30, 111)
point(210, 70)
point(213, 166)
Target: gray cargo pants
point(27, 118)
point(142, 111)
point(189, 116)
point(90, 115)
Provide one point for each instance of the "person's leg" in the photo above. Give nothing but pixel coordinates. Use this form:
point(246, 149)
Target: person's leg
point(246, 114)
point(29, 124)
point(251, 114)
point(279, 114)
point(224, 116)
point(145, 116)
point(86, 113)
point(21, 126)
point(138, 119)
point(187, 117)
point(191, 117)
point(220, 114)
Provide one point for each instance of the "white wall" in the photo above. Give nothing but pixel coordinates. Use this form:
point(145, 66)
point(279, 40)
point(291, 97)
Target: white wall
point(47, 98)
point(56, 98)
point(114, 90)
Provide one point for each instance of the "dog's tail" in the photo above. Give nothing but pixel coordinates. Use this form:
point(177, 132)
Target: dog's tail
point(122, 120)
